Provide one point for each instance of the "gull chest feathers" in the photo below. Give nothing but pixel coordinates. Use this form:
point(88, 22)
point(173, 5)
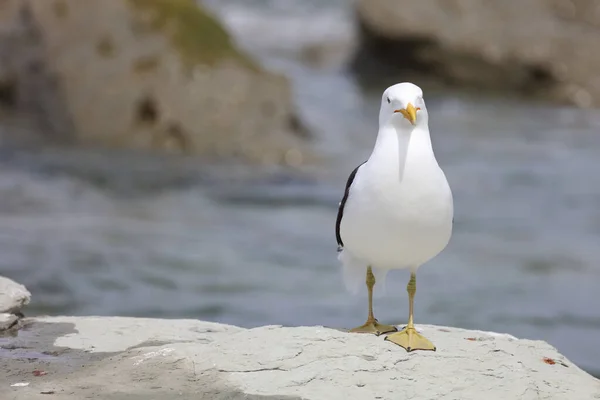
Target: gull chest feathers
point(397, 208)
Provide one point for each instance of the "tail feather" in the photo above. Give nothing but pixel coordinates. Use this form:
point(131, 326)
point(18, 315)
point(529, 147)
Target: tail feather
point(380, 286)
point(354, 273)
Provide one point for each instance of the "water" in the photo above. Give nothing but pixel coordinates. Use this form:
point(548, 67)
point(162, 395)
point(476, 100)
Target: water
point(95, 234)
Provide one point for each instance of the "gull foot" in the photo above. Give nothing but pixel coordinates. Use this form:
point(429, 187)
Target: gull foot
point(375, 328)
point(411, 340)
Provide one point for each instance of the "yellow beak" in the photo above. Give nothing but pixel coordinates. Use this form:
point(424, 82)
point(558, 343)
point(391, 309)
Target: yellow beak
point(410, 113)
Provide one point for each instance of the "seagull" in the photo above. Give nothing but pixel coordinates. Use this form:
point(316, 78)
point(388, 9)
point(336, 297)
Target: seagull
point(397, 208)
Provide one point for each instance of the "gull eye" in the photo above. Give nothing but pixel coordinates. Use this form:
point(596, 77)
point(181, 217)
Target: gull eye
point(388, 100)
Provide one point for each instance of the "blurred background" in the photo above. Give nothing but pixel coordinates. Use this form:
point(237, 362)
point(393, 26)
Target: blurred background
point(161, 158)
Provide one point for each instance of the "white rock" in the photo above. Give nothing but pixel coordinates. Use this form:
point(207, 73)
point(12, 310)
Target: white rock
point(7, 320)
point(186, 359)
point(13, 296)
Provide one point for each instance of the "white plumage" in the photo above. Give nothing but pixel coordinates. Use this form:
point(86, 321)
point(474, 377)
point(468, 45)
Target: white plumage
point(398, 210)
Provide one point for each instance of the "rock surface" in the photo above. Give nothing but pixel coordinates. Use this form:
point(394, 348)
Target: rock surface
point(536, 47)
point(7, 321)
point(13, 296)
point(128, 358)
point(142, 74)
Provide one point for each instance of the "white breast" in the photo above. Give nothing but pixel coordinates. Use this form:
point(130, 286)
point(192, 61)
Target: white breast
point(399, 211)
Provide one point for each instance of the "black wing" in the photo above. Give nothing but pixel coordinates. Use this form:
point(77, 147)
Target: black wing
point(341, 207)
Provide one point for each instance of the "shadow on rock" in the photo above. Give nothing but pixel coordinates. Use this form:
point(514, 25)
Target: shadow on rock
point(32, 349)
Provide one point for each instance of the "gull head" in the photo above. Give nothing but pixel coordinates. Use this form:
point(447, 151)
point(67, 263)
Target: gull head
point(403, 107)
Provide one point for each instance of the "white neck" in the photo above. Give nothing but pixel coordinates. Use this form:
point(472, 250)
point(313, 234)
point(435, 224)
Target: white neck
point(391, 150)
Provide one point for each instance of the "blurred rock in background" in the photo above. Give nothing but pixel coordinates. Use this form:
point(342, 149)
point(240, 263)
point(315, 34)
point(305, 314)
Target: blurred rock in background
point(539, 48)
point(139, 74)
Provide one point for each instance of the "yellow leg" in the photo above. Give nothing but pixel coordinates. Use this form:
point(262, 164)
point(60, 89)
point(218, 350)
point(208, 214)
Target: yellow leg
point(372, 326)
point(408, 337)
